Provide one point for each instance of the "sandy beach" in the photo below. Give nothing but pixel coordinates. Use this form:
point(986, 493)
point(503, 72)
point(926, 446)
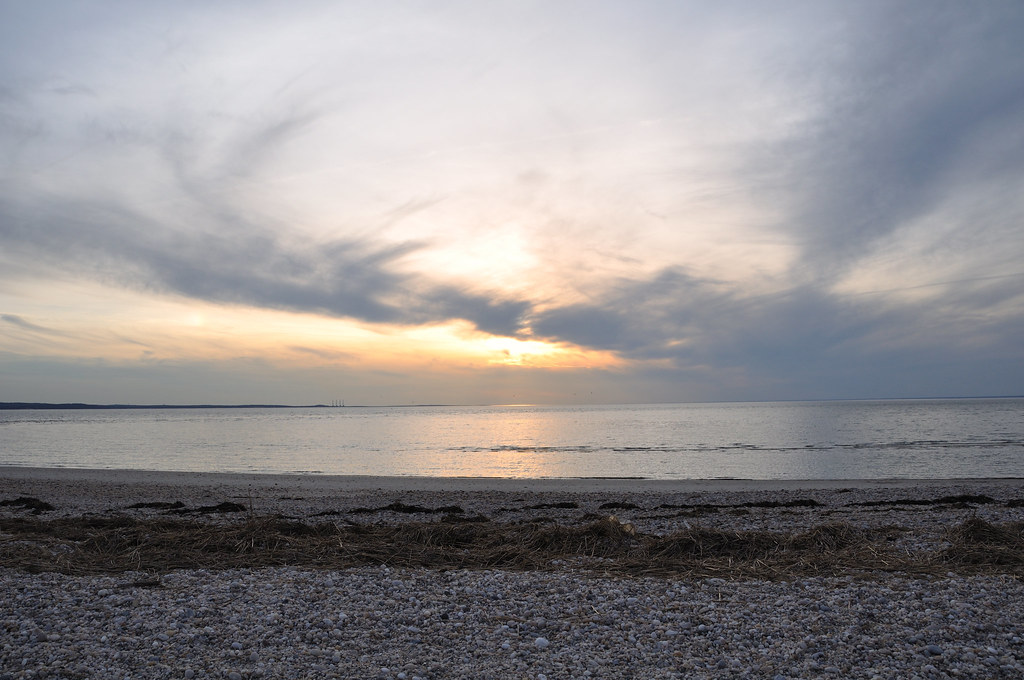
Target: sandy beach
point(155, 574)
point(84, 490)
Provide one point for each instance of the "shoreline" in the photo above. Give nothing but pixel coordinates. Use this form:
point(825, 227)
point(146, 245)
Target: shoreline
point(348, 483)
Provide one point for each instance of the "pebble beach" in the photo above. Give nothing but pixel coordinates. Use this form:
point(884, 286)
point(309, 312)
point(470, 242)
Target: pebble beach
point(570, 618)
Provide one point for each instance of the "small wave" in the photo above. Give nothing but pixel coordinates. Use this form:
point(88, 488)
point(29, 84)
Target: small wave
point(742, 447)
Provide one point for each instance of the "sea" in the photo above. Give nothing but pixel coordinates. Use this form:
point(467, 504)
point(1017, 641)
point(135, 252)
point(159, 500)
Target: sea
point(857, 440)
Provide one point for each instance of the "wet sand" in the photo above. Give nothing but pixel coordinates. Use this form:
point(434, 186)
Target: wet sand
point(343, 484)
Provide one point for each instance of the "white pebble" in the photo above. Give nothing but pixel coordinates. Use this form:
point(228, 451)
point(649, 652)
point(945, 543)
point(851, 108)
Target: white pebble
point(541, 643)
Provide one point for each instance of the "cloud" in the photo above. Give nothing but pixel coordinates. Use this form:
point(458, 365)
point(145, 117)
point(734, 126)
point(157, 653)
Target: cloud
point(207, 235)
point(329, 355)
point(19, 322)
point(916, 113)
point(639, 318)
point(915, 103)
point(343, 278)
point(777, 195)
point(802, 336)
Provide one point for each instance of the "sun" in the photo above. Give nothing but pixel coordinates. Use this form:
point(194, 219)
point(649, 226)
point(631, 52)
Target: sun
point(505, 351)
point(515, 352)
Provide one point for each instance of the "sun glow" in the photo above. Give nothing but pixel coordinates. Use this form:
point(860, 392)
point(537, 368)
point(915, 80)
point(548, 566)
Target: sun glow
point(513, 352)
point(461, 344)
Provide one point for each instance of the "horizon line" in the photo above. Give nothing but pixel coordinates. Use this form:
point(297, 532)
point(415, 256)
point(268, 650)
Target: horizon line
point(31, 405)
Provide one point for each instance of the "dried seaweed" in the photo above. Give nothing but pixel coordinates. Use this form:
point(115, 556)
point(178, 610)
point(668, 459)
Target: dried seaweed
point(960, 500)
point(34, 504)
point(84, 545)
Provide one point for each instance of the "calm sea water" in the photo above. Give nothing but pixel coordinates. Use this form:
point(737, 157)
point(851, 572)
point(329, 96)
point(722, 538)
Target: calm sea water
point(785, 440)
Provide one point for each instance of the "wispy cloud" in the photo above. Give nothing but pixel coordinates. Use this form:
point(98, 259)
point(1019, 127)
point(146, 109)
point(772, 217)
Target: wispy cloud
point(19, 322)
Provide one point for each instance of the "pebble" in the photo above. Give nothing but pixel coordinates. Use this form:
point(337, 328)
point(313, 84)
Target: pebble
point(447, 624)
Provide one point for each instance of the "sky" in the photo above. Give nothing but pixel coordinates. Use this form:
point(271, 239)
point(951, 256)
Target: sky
point(510, 202)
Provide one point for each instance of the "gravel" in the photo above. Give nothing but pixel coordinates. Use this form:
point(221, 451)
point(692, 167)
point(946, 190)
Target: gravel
point(387, 623)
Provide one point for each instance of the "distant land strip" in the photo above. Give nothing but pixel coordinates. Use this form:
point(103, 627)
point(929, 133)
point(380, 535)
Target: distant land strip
point(31, 405)
point(25, 405)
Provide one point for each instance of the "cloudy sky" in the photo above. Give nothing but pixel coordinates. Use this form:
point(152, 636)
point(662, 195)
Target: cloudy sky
point(510, 202)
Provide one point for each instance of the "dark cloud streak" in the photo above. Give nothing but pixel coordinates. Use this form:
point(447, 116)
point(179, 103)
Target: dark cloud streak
point(344, 278)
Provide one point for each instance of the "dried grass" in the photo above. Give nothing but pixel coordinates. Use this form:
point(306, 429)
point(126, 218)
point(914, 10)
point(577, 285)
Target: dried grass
point(89, 545)
point(980, 545)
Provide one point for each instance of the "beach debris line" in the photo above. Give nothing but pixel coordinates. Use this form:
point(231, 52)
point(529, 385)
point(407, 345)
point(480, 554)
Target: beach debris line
point(798, 503)
point(619, 505)
point(960, 500)
point(226, 506)
point(157, 505)
point(85, 545)
point(561, 505)
point(34, 504)
point(179, 508)
point(398, 506)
